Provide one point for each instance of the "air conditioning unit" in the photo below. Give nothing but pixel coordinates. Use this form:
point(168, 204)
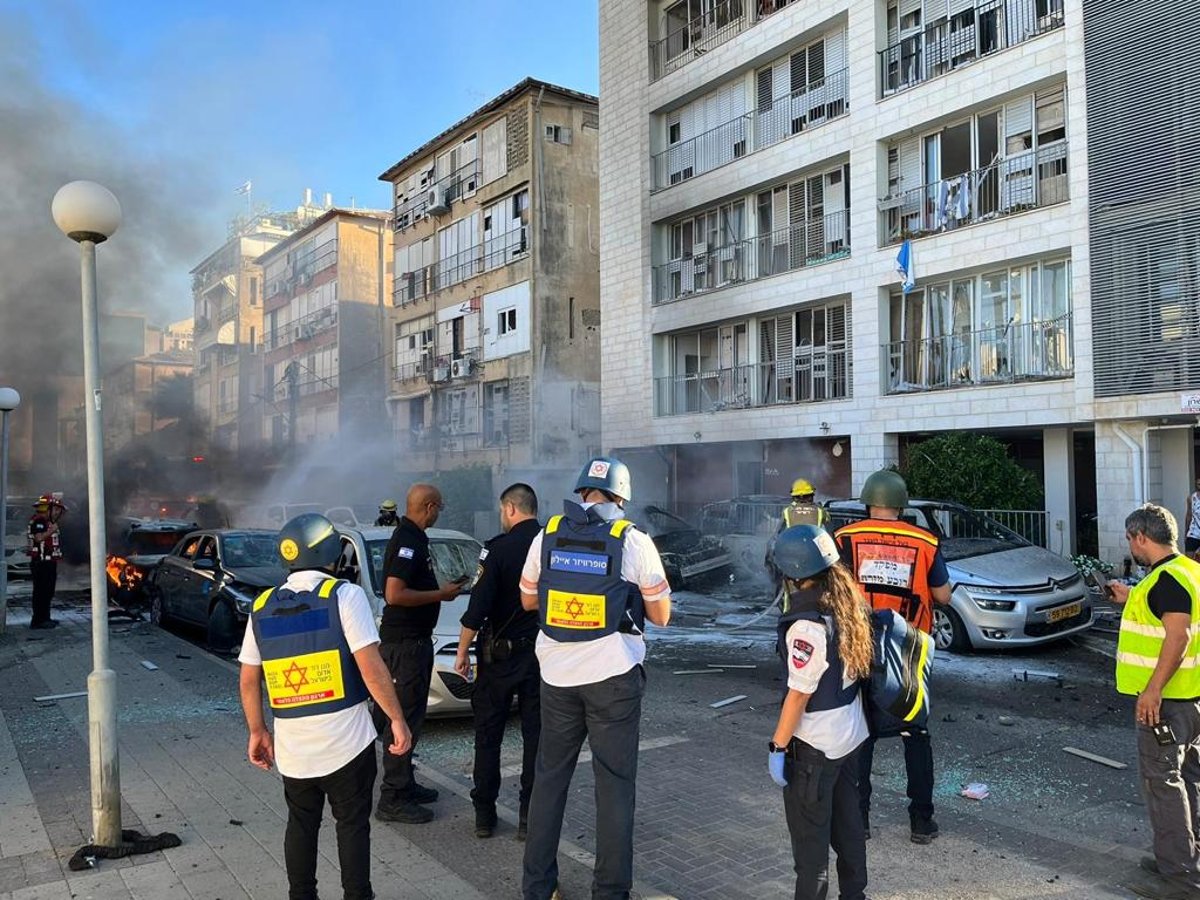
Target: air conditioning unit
point(461, 367)
point(306, 332)
point(305, 278)
point(437, 201)
point(296, 333)
point(440, 374)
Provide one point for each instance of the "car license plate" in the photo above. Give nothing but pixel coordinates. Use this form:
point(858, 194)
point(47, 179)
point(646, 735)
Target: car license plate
point(1064, 612)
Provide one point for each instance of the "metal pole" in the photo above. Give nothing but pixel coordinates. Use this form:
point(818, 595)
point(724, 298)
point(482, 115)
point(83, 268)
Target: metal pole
point(102, 682)
point(3, 520)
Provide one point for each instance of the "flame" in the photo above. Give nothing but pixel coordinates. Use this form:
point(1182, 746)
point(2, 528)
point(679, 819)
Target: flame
point(122, 572)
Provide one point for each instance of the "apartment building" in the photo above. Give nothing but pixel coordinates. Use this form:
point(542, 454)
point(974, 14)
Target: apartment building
point(227, 296)
point(143, 398)
point(496, 353)
point(323, 347)
point(763, 162)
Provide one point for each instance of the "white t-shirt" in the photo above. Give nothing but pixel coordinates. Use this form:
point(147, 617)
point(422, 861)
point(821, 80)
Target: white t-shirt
point(835, 732)
point(312, 746)
point(572, 663)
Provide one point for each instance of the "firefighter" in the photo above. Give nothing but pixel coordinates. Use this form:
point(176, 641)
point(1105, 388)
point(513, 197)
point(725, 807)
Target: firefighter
point(45, 550)
point(314, 638)
point(899, 567)
point(594, 579)
point(387, 515)
point(803, 509)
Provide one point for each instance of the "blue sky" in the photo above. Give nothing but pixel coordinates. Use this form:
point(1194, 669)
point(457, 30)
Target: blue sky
point(298, 94)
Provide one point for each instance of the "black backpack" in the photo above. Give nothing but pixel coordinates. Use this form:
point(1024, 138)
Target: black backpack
point(898, 690)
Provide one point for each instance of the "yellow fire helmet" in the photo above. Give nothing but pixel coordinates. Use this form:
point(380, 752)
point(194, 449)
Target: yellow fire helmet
point(802, 488)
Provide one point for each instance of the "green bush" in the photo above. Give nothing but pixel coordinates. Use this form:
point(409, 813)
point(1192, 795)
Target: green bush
point(972, 469)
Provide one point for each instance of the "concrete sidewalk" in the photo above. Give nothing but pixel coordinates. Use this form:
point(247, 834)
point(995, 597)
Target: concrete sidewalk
point(183, 770)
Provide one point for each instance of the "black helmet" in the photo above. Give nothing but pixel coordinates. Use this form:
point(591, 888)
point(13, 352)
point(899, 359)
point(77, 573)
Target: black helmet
point(309, 541)
point(885, 488)
point(803, 551)
point(606, 473)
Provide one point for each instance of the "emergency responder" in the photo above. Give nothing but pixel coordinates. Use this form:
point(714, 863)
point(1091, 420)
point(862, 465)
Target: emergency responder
point(594, 580)
point(387, 514)
point(314, 638)
point(803, 509)
point(1158, 661)
point(504, 632)
point(413, 597)
point(899, 567)
point(824, 640)
point(45, 550)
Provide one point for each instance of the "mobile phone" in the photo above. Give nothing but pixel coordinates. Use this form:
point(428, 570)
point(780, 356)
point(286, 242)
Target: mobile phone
point(1101, 583)
point(1164, 734)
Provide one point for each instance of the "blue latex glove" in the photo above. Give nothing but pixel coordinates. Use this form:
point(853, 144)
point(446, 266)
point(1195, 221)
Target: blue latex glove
point(775, 767)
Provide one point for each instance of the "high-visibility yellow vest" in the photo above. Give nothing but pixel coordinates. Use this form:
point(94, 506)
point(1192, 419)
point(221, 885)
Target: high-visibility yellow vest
point(1142, 634)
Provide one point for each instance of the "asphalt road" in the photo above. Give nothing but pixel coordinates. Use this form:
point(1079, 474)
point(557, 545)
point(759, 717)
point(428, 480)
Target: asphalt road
point(710, 823)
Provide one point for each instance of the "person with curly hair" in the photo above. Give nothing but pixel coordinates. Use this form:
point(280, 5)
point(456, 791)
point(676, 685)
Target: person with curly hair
point(825, 643)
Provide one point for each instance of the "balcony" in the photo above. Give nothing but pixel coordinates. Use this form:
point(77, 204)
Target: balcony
point(1017, 352)
point(687, 41)
point(228, 313)
point(813, 375)
point(415, 371)
point(1011, 185)
point(810, 106)
point(493, 253)
point(947, 45)
point(303, 329)
point(462, 182)
point(817, 241)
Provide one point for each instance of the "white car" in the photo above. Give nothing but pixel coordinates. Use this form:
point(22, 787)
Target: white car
point(455, 554)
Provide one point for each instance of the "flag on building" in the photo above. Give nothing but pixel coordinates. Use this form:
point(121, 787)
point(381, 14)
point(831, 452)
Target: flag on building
point(245, 188)
point(905, 266)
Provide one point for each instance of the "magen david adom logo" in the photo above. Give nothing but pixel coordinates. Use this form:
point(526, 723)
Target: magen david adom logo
point(599, 469)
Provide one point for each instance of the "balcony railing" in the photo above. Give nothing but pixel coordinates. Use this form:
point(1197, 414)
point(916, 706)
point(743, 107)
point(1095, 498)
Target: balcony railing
point(302, 329)
point(803, 109)
point(461, 182)
point(1027, 351)
point(712, 28)
point(413, 370)
point(228, 313)
point(814, 242)
point(965, 37)
point(491, 254)
point(1008, 186)
point(813, 375)
point(316, 384)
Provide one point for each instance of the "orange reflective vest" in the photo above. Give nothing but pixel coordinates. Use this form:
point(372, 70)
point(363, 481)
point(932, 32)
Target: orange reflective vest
point(891, 561)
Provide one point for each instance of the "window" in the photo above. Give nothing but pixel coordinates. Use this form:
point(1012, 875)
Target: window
point(505, 231)
point(508, 320)
point(253, 342)
point(570, 318)
point(559, 134)
point(254, 292)
point(673, 133)
point(495, 413)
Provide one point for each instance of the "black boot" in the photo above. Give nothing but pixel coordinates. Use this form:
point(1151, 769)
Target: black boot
point(485, 821)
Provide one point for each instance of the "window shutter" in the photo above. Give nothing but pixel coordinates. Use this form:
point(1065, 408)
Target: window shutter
point(798, 77)
point(495, 150)
point(816, 62)
point(910, 164)
point(910, 6)
point(785, 347)
point(835, 52)
point(960, 6)
point(764, 89)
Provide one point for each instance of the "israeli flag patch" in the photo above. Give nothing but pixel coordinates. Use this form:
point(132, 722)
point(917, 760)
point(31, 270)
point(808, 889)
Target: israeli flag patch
point(405, 553)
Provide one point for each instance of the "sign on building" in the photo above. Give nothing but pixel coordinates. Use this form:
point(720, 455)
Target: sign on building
point(1190, 403)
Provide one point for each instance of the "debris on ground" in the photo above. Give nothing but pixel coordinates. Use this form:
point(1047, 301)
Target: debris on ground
point(1026, 674)
point(698, 672)
point(976, 790)
point(149, 666)
point(49, 697)
point(731, 666)
point(1007, 720)
point(1103, 760)
point(727, 701)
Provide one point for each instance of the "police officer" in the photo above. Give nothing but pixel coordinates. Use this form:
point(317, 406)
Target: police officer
point(803, 509)
point(45, 550)
point(899, 567)
point(314, 639)
point(414, 599)
point(387, 514)
point(825, 644)
point(594, 579)
point(507, 664)
point(1158, 661)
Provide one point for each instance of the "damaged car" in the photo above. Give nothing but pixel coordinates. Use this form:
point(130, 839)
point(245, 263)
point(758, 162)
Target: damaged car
point(1005, 591)
point(137, 548)
point(688, 556)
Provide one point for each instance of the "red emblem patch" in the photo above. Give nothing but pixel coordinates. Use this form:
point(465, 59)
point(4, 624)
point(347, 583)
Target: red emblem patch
point(802, 652)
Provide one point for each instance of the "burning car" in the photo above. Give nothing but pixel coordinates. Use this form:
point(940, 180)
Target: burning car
point(139, 546)
point(687, 555)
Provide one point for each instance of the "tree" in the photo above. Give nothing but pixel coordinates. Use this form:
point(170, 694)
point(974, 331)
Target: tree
point(972, 469)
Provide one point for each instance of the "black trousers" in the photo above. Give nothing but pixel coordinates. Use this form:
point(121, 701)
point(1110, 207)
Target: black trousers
point(45, 577)
point(350, 791)
point(821, 803)
point(495, 686)
point(918, 761)
point(608, 713)
point(410, 660)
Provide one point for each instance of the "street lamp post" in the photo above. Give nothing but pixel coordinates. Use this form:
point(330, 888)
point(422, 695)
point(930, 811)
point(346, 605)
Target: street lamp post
point(9, 400)
point(89, 214)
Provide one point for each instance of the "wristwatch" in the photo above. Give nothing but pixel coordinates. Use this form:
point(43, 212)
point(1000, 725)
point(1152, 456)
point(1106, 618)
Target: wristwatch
point(775, 748)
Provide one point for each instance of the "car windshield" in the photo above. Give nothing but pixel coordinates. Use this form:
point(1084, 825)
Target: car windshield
point(965, 532)
point(249, 550)
point(454, 559)
point(153, 543)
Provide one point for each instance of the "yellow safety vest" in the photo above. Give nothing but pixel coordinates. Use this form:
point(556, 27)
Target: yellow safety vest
point(1142, 634)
